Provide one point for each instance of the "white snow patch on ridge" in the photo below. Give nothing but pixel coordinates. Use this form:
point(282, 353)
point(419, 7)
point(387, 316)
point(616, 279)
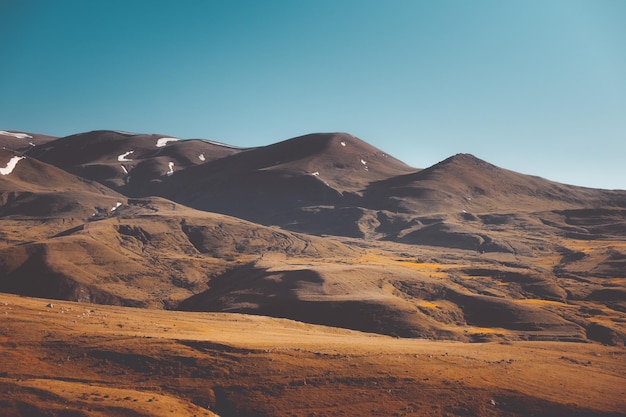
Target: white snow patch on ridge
point(116, 206)
point(163, 141)
point(122, 157)
point(343, 143)
point(171, 170)
point(11, 165)
point(201, 157)
point(124, 169)
point(15, 135)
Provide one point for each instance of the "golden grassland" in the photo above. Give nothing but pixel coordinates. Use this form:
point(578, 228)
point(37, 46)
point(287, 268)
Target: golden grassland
point(84, 359)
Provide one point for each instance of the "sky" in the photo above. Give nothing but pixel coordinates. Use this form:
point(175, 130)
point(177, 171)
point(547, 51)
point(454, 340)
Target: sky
point(535, 86)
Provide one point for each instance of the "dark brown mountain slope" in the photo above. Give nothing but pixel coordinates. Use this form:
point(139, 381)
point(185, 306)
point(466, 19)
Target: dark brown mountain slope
point(30, 175)
point(472, 238)
point(462, 201)
point(22, 141)
point(147, 252)
point(38, 196)
point(272, 184)
point(133, 164)
point(324, 184)
point(321, 183)
point(464, 183)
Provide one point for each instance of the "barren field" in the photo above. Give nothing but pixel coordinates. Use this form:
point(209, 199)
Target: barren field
point(64, 358)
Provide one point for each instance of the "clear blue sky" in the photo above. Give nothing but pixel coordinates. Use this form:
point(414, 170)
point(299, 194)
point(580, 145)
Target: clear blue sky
point(536, 86)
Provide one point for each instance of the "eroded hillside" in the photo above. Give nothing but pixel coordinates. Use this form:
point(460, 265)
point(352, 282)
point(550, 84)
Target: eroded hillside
point(351, 238)
point(191, 278)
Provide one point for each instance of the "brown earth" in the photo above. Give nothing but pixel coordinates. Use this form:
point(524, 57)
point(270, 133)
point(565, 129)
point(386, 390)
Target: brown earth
point(21, 141)
point(134, 164)
point(530, 271)
point(76, 359)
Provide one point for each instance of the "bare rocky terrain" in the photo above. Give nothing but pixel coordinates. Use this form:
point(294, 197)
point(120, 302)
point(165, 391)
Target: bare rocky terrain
point(340, 281)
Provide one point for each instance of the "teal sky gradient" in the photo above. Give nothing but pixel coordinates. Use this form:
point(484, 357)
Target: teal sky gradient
point(536, 86)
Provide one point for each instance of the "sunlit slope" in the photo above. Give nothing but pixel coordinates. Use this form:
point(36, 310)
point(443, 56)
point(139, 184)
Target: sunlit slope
point(79, 359)
point(462, 250)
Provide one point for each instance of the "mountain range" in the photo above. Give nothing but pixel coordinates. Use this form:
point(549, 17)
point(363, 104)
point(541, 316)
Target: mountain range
point(145, 275)
point(322, 228)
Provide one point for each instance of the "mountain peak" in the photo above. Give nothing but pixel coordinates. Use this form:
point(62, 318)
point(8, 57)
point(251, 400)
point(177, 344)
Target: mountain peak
point(465, 159)
point(463, 167)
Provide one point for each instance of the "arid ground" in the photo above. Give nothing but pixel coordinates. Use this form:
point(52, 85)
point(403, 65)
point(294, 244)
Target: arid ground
point(75, 359)
point(141, 275)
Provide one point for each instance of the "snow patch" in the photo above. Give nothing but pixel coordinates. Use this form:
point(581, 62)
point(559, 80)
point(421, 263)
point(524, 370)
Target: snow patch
point(343, 143)
point(122, 157)
point(124, 169)
point(31, 144)
point(201, 157)
point(15, 135)
point(116, 206)
point(363, 162)
point(316, 174)
point(163, 141)
point(171, 170)
point(11, 165)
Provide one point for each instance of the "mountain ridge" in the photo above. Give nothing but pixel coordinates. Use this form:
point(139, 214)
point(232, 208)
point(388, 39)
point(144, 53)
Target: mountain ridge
point(322, 228)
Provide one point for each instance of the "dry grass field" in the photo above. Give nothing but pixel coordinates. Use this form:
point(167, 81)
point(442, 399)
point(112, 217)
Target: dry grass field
point(64, 358)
